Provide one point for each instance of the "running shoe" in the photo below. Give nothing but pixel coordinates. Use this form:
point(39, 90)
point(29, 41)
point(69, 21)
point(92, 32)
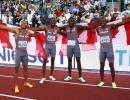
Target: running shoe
point(114, 85)
point(52, 78)
point(42, 80)
point(16, 89)
point(29, 85)
point(82, 80)
point(68, 78)
point(101, 84)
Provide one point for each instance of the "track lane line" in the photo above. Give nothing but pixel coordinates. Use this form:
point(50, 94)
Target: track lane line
point(72, 83)
point(15, 97)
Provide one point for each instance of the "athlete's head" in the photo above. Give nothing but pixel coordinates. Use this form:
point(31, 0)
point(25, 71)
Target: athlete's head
point(53, 21)
point(103, 20)
point(23, 24)
point(71, 21)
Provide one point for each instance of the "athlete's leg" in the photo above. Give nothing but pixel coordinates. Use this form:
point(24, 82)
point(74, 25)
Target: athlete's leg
point(81, 79)
point(16, 80)
point(110, 57)
point(17, 65)
point(25, 73)
point(111, 64)
point(112, 71)
point(69, 78)
point(69, 65)
point(53, 54)
point(45, 60)
point(102, 64)
point(79, 66)
point(25, 69)
point(44, 67)
point(52, 65)
point(102, 57)
point(69, 56)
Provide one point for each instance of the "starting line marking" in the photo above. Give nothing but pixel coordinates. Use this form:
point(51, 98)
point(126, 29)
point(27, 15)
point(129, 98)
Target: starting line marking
point(16, 97)
point(72, 83)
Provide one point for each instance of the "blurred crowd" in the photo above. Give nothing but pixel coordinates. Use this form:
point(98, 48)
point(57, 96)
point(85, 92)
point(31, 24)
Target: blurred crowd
point(40, 12)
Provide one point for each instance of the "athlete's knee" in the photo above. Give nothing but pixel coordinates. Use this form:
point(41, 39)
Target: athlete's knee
point(111, 64)
point(52, 59)
point(78, 59)
point(69, 59)
point(44, 61)
point(102, 64)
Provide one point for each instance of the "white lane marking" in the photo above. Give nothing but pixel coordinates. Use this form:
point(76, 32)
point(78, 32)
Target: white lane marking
point(72, 83)
point(16, 97)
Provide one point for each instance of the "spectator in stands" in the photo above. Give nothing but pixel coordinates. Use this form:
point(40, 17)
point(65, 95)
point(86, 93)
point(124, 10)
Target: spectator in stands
point(86, 18)
point(4, 17)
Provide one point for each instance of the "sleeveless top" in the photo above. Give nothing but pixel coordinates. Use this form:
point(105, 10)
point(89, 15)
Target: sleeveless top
point(50, 37)
point(72, 36)
point(105, 37)
point(21, 41)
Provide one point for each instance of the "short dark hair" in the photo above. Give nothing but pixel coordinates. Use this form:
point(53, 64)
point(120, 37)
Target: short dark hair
point(71, 19)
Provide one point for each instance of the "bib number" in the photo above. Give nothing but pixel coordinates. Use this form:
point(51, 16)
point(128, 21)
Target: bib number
point(105, 39)
point(22, 44)
point(50, 38)
point(71, 42)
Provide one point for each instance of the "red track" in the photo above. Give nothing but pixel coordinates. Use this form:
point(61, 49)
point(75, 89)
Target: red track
point(60, 90)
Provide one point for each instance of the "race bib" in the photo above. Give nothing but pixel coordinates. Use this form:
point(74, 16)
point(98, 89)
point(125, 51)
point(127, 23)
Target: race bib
point(105, 39)
point(50, 38)
point(22, 44)
point(71, 42)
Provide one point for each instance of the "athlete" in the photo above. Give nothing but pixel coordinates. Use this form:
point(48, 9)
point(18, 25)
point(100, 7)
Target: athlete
point(73, 45)
point(50, 47)
point(21, 35)
point(106, 48)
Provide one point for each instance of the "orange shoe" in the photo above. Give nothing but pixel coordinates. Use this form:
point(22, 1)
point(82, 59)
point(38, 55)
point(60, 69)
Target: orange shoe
point(28, 85)
point(16, 89)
